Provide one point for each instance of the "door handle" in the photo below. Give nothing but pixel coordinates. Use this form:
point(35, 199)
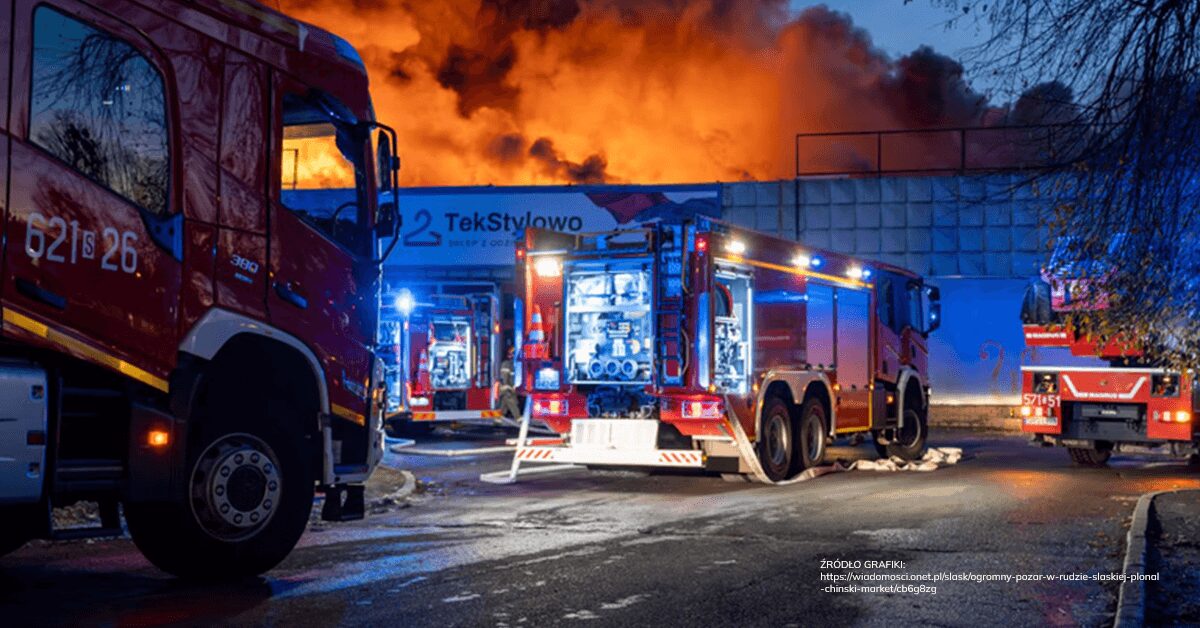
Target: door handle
point(286, 293)
point(38, 293)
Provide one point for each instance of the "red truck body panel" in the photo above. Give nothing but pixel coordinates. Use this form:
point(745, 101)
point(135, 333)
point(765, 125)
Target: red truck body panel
point(713, 288)
point(111, 283)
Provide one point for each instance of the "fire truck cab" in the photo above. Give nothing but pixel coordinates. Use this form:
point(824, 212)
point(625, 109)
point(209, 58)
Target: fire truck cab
point(1122, 403)
point(701, 345)
point(183, 339)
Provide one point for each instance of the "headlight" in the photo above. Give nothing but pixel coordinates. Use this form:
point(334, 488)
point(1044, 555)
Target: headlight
point(405, 303)
point(548, 267)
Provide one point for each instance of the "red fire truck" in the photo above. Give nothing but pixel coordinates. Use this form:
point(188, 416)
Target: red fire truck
point(444, 349)
point(181, 335)
point(698, 344)
point(1122, 404)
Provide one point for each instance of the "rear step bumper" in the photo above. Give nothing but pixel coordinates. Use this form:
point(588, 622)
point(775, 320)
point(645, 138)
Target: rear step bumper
point(676, 458)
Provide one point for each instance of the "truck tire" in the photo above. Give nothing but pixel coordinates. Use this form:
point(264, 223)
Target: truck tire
point(247, 495)
point(775, 449)
point(1089, 457)
point(811, 430)
point(909, 442)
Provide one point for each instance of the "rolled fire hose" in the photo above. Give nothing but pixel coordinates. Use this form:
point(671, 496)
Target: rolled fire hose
point(934, 458)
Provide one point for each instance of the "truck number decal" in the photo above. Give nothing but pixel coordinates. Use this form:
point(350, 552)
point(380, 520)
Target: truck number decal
point(61, 225)
point(1031, 399)
point(120, 252)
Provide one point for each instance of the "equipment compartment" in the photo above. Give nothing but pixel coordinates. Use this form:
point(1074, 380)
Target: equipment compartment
point(609, 326)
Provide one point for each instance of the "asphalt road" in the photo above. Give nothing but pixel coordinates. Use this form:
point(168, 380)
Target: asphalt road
point(630, 549)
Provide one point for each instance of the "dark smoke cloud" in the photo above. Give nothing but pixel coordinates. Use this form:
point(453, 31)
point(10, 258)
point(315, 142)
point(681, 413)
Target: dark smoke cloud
point(500, 90)
point(929, 90)
point(591, 170)
point(513, 150)
point(479, 77)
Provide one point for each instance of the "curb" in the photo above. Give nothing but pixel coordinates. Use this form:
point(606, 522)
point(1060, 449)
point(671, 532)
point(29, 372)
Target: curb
point(1131, 601)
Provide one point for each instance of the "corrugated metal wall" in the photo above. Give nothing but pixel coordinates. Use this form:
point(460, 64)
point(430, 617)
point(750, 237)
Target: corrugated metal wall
point(954, 226)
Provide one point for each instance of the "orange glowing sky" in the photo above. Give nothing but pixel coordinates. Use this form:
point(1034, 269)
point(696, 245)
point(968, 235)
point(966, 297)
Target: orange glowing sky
point(645, 91)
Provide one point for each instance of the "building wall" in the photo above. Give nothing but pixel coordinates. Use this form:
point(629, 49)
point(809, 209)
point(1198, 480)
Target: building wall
point(938, 226)
point(978, 238)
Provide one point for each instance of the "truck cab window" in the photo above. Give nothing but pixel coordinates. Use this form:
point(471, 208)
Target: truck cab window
point(886, 303)
point(323, 176)
point(98, 105)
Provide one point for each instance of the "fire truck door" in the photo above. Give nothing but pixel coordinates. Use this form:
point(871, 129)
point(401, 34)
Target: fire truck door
point(853, 360)
point(322, 280)
point(94, 227)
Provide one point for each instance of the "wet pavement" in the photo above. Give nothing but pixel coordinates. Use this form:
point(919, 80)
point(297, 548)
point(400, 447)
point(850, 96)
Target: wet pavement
point(1174, 554)
point(621, 548)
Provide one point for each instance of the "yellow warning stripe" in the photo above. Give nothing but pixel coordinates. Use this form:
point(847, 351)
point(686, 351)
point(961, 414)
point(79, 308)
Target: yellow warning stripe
point(432, 416)
point(54, 336)
point(854, 283)
point(348, 414)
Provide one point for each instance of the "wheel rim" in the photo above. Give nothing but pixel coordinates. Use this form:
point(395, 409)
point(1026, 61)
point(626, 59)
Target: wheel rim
point(813, 438)
point(910, 434)
point(235, 487)
point(777, 441)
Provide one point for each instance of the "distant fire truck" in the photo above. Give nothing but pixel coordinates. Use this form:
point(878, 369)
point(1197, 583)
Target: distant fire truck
point(1123, 404)
point(698, 344)
point(445, 349)
point(184, 338)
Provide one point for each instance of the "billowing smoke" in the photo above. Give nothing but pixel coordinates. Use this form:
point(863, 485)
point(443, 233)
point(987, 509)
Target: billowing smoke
point(582, 91)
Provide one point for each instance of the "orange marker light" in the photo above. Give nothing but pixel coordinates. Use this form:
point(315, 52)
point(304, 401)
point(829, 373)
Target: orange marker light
point(1183, 416)
point(158, 438)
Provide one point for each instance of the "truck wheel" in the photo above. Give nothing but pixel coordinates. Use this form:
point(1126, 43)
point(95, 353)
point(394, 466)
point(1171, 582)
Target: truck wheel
point(909, 441)
point(247, 499)
point(810, 448)
point(775, 439)
point(1089, 457)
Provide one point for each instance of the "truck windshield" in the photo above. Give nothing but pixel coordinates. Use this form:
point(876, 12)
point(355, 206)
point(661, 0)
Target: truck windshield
point(323, 174)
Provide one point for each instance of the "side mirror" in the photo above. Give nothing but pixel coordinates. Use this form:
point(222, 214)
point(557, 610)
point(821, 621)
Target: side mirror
point(388, 221)
point(935, 317)
point(387, 225)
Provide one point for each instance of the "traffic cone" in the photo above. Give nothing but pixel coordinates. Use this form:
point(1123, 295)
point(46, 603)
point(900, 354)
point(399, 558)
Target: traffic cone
point(535, 347)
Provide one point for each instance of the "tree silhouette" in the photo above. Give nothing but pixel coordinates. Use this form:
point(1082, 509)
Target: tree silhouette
point(1129, 199)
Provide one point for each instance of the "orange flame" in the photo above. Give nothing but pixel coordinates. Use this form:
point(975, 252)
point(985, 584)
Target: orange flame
point(648, 91)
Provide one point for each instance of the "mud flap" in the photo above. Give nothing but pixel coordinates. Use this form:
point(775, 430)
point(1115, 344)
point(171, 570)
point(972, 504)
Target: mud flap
point(344, 502)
